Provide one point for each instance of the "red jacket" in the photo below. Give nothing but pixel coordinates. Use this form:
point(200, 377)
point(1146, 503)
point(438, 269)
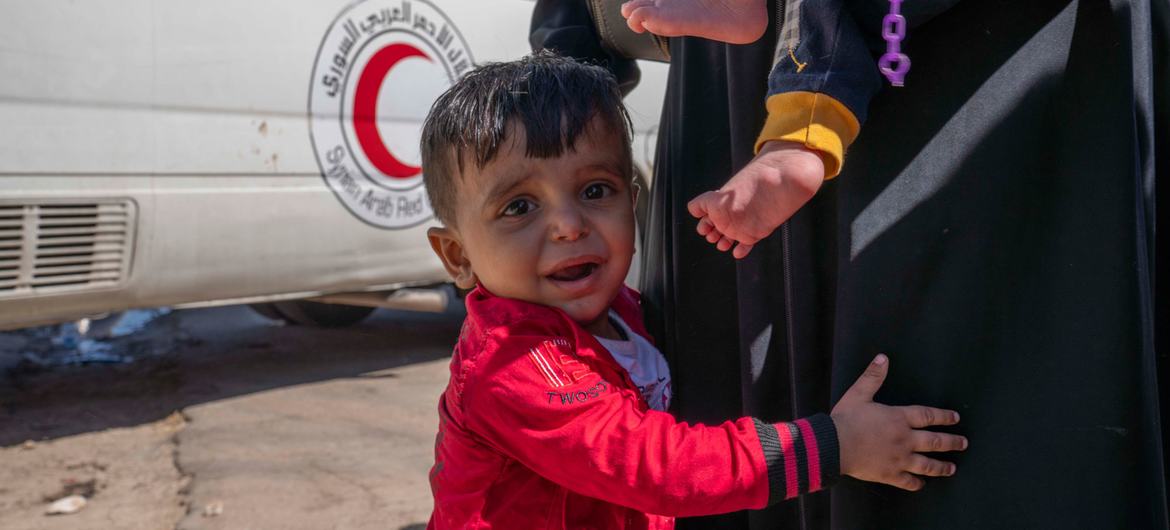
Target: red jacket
point(539, 428)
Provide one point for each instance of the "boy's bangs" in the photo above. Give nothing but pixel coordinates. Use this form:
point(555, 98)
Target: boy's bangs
point(552, 98)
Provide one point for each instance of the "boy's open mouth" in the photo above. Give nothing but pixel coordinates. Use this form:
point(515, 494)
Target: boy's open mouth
point(574, 272)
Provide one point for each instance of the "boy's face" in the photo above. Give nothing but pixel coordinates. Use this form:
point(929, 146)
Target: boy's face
point(554, 231)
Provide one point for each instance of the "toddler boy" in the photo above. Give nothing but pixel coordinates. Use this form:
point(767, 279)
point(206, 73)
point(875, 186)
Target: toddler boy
point(555, 413)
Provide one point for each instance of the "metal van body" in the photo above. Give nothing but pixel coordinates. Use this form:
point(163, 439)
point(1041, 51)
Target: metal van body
point(158, 153)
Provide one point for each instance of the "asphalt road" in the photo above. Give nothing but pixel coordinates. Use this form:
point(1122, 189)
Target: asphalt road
point(228, 421)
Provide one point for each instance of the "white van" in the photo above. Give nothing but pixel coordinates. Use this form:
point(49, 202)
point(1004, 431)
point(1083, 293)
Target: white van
point(162, 153)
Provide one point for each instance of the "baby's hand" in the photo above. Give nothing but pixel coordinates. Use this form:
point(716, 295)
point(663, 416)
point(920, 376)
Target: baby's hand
point(880, 443)
point(764, 194)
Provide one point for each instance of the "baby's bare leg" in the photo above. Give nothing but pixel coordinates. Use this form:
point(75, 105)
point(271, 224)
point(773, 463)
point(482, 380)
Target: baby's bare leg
point(732, 21)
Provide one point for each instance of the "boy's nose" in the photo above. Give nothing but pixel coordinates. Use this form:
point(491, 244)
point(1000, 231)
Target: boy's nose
point(568, 224)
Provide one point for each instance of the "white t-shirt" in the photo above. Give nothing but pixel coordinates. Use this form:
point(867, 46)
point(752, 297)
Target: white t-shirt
point(645, 364)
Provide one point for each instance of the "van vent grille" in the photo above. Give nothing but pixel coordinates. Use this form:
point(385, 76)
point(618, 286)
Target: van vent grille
point(64, 246)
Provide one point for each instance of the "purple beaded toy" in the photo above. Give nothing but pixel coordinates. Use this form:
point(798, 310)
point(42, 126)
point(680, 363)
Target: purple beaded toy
point(894, 64)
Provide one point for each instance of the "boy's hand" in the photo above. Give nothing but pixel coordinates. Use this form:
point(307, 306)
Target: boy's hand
point(880, 443)
point(764, 194)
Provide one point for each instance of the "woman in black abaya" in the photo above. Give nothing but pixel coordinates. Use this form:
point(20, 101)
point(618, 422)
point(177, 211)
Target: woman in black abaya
point(994, 230)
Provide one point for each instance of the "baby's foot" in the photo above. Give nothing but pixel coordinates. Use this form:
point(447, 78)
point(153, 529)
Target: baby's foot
point(732, 21)
point(764, 194)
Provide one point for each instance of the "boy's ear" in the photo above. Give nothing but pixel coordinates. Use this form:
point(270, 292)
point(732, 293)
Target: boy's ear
point(445, 242)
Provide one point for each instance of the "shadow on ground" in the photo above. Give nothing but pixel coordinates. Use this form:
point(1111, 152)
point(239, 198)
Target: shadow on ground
point(197, 356)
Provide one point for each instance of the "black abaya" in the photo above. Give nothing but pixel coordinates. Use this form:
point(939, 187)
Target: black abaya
point(993, 231)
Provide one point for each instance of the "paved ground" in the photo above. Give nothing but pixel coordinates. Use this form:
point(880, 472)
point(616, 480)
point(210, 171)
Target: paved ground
point(225, 413)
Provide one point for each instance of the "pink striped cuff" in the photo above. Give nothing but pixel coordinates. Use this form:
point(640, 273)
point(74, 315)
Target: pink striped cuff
point(814, 455)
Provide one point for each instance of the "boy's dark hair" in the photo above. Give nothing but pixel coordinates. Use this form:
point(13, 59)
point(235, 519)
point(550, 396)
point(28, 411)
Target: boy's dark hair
point(552, 97)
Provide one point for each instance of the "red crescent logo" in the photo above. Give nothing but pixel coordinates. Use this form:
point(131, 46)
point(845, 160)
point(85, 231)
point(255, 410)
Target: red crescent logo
point(365, 110)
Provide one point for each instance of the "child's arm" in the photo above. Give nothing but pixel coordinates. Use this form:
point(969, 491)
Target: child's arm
point(571, 426)
point(818, 92)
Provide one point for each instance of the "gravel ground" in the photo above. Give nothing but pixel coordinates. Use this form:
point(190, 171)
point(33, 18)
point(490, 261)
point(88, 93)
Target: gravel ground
point(226, 420)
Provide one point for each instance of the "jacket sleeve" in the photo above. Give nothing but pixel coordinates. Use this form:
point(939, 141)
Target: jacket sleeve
point(534, 401)
point(821, 82)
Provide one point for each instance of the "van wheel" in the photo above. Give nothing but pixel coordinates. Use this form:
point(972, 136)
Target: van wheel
point(306, 313)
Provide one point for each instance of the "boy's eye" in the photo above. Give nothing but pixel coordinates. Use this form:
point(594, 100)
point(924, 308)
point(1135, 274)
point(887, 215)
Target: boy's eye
point(597, 191)
point(517, 207)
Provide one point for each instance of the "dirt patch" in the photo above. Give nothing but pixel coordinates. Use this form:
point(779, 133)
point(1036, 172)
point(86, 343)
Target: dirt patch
point(226, 420)
point(127, 475)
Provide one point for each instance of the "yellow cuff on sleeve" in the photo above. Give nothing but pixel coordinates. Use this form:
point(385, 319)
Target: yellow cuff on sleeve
point(815, 120)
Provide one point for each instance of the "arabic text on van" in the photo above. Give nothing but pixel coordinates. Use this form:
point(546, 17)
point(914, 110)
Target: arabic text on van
point(383, 20)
